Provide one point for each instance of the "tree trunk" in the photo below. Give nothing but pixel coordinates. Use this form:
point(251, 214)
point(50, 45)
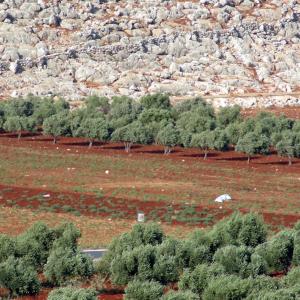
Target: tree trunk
point(127, 146)
point(167, 150)
point(19, 135)
point(54, 140)
point(90, 144)
point(205, 154)
point(248, 161)
point(290, 161)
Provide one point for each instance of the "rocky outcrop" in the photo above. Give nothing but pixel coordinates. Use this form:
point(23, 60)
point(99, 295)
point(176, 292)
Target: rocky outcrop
point(229, 51)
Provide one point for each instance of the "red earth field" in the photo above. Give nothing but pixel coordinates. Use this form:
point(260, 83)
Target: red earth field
point(104, 185)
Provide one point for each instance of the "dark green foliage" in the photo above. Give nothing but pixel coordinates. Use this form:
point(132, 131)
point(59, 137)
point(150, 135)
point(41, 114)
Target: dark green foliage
point(96, 104)
point(93, 129)
point(235, 260)
point(193, 104)
point(141, 234)
point(261, 285)
point(47, 107)
point(195, 121)
point(34, 245)
point(143, 290)
point(168, 137)
point(17, 275)
point(57, 125)
point(288, 145)
point(227, 287)
point(133, 133)
point(204, 141)
point(277, 252)
point(198, 279)
point(292, 278)
point(253, 143)
point(253, 231)
point(157, 101)
point(296, 252)
point(228, 115)
point(64, 264)
point(233, 132)
point(123, 111)
point(19, 107)
point(7, 247)
point(71, 293)
point(281, 294)
point(181, 295)
point(19, 124)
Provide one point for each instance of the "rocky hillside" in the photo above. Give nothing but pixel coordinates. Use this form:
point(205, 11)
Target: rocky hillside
point(230, 51)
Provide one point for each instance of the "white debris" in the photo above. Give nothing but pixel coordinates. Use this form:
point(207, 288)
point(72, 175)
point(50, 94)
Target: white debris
point(46, 196)
point(223, 198)
point(107, 172)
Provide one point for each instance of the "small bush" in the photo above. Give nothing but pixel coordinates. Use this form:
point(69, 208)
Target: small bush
point(19, 277)
point(227, 288)
point(71, 293)
point(181, 295)
point(143, 290)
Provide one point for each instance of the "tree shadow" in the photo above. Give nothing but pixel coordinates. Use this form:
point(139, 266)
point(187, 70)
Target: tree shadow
point(200, 155)
point(83, 144)
point(240, 158)
point(15, 135)
point(280, 163)
point(121, 147)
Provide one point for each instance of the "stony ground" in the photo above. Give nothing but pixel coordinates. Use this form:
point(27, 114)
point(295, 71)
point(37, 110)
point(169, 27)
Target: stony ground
point(230, 51)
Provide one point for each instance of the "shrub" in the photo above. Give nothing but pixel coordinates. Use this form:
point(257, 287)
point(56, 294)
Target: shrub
point(35, 244)
point(160, 101)
point(292, 278)
point(253, 231)
point(19, 277)
point(260, 285)
point(168, 137)
point(228, 287)
point(235, 260)
point(181, 295)
point(282, 294)
point(198, 279)
point(57, 125)
point(7, 247)
point(253, 143)
point(71, 293)
point(143, 290)
point(64, 264)
point(277, 252)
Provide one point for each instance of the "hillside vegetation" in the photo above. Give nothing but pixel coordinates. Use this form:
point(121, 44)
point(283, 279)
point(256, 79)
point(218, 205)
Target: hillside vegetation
point(236, 259)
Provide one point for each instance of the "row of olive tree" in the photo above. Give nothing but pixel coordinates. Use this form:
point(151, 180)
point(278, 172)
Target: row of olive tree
point(42, 250)
point(233, 260)
point(152, 119)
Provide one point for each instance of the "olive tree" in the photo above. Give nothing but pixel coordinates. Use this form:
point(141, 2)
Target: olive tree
point(19, 124)
point(64, 264)
point(289, 145)
point(228, 115)
point(181, 295)
point(57, 125)
point(19, 277)
point(67, 293)
point(167, 137)
point(204, 141)
point(143, 290)
point(253, 143)
point(93, 129)
point(159, 101)
point(131, 134)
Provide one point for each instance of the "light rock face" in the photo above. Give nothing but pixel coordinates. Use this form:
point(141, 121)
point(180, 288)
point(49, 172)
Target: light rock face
point(229, 51)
